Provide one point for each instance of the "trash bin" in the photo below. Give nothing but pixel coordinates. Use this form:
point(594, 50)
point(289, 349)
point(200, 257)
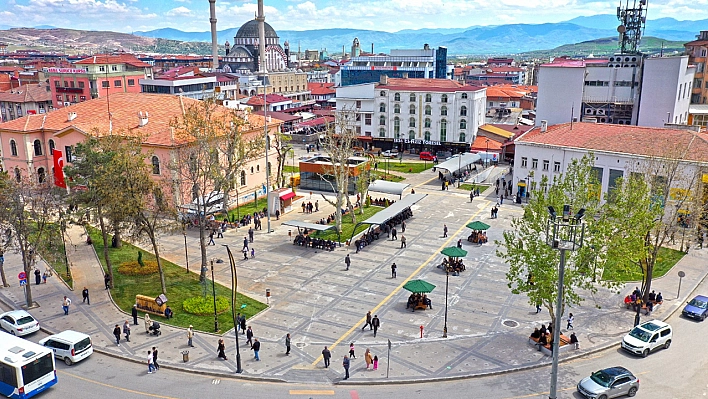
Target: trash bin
point(185, 356)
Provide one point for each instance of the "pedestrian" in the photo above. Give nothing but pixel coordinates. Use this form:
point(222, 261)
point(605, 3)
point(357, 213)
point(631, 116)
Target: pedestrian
point(65, 305)
point(393, 234)
point(403, 241)
point(253, 253)
point(277, 214)
point(107, 280)
point(243, 324)
point(491, 213)
point(501, 200)
point(471, 195)
point(303, 205)
point(347, 261)
point(221, 350)
point(256, 347)
point(459, 243)
point(326, 355)
point(287, 344)
point(317, 205)
point(37, 276)
point(444, 230)
point(368, 321)
point(245, 254)
point(211, 237)
point(245, 242)
point(393, 270)
point(249, 336)
point(47, 273)
point(85, 295)
point(376, 323)
point(250, 234)
point(351, 350)
point(220, 230)
point(571, 319)
point(116, 333)
point(367, 358)
point(376, 363)
point(148, 323)
point(168, 312)
point(403, 226)
point(345, 364)
point(538, 307)
point(126, 331)
point(190, 336)
point(134, 313)
point(151, 363)
point(154, 358)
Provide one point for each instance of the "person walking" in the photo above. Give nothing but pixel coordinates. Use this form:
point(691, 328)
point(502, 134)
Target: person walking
point(211, 238)
point(351, 350)
point(403, 227)
point(376, 363)
point(345, 364)
point(221, 350)
point(85, 295)
point(256, 347)
point(148, 323)
point(126, 331)
point(250, 234)
point(190, 336)
point(403, 241)
point(376, 323)
point(243, 324)
point(287, 344)
point(538, 307)
point(444, 230)
point(393, 234)
point(317, 205)
point(245, 243)
point(326, 355)
point(471, 195)
point(134, 313)
point(347, 261)
point(154, 358)
point(368, 321)
point(37, 276)
point(367, 358)
point(393, 270)
point(107, 280)
point(116, 333)
point(65, 305)
point(249, 336)
point(571, 319)
point(151, 363)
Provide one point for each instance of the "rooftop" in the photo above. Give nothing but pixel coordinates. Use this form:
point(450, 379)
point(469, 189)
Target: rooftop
point(270, 99)
point(320, 89)
point(36, 92)
point(106, 59)
point(438, 85)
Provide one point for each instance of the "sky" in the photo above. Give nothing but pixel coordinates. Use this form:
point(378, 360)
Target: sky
point(387, 15)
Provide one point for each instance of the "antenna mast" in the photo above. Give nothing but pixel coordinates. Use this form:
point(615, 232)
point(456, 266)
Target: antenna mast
point(632, 23)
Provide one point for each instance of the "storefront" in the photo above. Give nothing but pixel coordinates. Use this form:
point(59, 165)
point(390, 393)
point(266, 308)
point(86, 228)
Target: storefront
point(280, 200)
point(416, 146)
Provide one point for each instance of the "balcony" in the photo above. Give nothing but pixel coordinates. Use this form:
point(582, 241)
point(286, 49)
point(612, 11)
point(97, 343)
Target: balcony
point(73, 90)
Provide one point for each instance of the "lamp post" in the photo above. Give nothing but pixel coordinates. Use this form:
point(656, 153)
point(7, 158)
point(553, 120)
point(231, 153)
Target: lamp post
point(267, 144)
point(186, 254)
point(213, 293)
point(563, 233)
point(234, 286)
point(447, 281)
point(486, 158)
point(459, 169)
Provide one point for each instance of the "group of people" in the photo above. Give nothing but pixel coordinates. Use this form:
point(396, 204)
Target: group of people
point(453, 265)
point(416, 299)
point(494, 212)
point(544, 336)
point(304, 240)
point(309, 207)
point(384, 202)
point(634, 300)
point(478, 237)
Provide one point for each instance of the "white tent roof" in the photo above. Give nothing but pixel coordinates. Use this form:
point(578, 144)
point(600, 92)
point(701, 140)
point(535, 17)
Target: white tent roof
point(388, 187)
point(459, 162)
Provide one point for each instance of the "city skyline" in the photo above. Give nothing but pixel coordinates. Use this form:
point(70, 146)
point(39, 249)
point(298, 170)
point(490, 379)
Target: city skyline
point(387, 15)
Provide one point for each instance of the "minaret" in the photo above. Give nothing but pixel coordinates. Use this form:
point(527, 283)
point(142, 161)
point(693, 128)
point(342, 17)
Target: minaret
point(214, 44)
point(261, 39)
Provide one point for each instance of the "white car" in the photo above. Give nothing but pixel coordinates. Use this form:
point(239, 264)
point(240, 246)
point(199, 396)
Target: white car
point(18, 322)
point(390, 154)
point(70, 346)
point(648, 337)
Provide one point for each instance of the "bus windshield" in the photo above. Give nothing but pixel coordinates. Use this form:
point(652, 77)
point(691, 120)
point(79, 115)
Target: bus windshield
point(37, 369)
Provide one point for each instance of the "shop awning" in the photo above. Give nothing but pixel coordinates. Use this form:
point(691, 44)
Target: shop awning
point(388, 187)
point(459, 162)
point(287, 196)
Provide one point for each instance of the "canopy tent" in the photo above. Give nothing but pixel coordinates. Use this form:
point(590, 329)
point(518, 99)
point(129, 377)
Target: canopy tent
point(459, 162)
point(419, 286)
point(388, 187)
point(391, 212)
point(454, 252)
point(310, 226)
point(477, 225)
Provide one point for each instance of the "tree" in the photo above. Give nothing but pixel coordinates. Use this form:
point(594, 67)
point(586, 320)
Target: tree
point(533, 264)
point(4, 239)
point(282, 149)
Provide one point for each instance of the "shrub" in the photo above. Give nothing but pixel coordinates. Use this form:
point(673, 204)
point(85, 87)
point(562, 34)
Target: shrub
point(201, 306)
point(140, 258)
point(135, 269)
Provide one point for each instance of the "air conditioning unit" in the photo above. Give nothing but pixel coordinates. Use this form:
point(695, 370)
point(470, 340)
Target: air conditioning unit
point(600, 112)
point(589, 111)
point(602, 120)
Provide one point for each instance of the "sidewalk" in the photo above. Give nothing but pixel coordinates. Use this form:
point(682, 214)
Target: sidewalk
point(321, 304)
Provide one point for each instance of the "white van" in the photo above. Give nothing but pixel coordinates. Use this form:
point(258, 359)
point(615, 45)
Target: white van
point(648, 337)
point(71, 346)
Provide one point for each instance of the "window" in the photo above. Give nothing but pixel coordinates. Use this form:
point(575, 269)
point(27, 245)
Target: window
point(556, 166)
point(427, 136)
point(105, 84)
point(382, 120)
point(462, 137)
point(131, 82)
point(382, 94)
point(546, 163)
point(81, 85)
point(243, 177)
point(13, 148)
point(382, 132)
point(443, 110)
point(102, 68)
point(443, 98)
point(427, 123)
point(155, 165)
point(51, 146)
point(411, 122)
point(397, 109)
point(534, 163)
point(382, 107)
point(411, 134)
point(464, 96)
point(358, 104)
point(443, 130)
point(428, 98)
point(463, 111)
point(463, 124)
point(41, 175)
point(68, 154)
point(411, 109)
point(37, 148)
point(367, 119)
point(397, 97)
point(57, 83)
point(428, 110)
point(114, 68)
point(396, 126)
point(524, 162)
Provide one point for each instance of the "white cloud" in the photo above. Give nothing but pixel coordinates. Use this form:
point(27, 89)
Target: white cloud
point(183, 1)
point(179, 12)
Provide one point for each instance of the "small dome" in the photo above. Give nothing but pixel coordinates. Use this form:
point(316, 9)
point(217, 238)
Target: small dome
point(240, 52)
point(250, 30)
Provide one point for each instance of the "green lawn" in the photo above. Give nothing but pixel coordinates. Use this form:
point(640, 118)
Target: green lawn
point(348, 227)
point(180, 286)
point(290, 169)
point(394, 165)
point(666, 259)
point(381, 175)
point(247, 208)
point(468, 187)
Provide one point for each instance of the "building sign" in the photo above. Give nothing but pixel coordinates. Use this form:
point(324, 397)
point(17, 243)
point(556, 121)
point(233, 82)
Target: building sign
point(63, 70)
point(384, 68)
point(416, 141)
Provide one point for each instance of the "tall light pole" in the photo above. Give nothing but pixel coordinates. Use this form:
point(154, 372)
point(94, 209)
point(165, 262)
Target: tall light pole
point(184, 233)
point(234, 286)
point(267, 144)
point(486, 159)
point(213, 292)
point(447, 281)
point(563, 233)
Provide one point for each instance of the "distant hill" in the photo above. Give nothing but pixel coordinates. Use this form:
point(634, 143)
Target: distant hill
point(606, 46)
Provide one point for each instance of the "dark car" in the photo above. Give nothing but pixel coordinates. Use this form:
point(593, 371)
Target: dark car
point(697, 308)
point(609, 383)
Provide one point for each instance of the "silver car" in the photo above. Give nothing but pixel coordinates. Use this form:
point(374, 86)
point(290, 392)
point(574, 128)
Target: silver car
point(609, 383)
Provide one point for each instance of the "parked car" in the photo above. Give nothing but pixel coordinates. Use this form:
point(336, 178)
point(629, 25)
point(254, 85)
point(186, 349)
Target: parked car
point(426, 156)
point(697, 308)
point(609, 383)
point(390, 154)
point(69, 346)
point(648, 337)
point(18, 322)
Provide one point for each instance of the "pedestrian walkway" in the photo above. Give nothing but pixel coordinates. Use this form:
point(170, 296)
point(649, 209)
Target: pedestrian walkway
point(320, 303)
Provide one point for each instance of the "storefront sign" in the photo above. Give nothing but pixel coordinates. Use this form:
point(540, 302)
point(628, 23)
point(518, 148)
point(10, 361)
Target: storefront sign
point(416, 141)
point(64, 70)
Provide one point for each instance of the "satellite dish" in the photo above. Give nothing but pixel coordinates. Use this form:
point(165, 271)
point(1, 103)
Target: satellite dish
point(621, 29)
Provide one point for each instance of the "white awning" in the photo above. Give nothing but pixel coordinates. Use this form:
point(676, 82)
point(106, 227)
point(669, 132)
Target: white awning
point(459, 162)
point(388, 187)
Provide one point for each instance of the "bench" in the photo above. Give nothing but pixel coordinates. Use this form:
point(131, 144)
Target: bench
point(644, 307)
point(563, 346)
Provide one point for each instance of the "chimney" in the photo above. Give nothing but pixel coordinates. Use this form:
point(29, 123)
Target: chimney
point(384, 79)
point(544, 126)
point(143, 118)
point(71, 116)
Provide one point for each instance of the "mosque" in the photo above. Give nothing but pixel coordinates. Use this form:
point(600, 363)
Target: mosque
point(244, 56)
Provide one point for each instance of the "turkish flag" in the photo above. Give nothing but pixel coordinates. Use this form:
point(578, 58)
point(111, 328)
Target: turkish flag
point(59, 169)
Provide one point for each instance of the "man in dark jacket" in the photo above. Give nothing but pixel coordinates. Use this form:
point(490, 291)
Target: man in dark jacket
point(345, 364)
point(375, 323)
point(116, 333)
point(256, 347)
point(85, 295)
point(134, 313)
point(326, 355)
point(249, 336)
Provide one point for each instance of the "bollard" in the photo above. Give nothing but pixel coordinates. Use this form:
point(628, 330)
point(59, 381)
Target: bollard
point(185, 356)
point(268, 295)
point(421, 331)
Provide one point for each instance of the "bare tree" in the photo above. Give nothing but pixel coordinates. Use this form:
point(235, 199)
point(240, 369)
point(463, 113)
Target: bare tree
point(282, 149)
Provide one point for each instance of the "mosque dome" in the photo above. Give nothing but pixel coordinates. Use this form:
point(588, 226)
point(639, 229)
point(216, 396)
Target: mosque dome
point(250, 30)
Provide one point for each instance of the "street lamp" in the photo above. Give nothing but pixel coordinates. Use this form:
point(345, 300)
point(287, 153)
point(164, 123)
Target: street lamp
point(267, 145)
point(447, 281)
point(186, 254)
point(563, 233)
point(487, 157)
point(234, 286)
point(213, 293)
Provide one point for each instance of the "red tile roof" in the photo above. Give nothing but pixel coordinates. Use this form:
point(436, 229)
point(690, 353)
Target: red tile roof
point(436, 85)
point(317, 121)
point(270, 99)
point(635, 140)
point(281, 116)
point(481, 144)
point(321, 89)
point(105, 59)
point(697, 43)
point(27, 93)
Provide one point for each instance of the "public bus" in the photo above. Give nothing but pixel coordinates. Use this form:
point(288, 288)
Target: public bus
point(26, 368)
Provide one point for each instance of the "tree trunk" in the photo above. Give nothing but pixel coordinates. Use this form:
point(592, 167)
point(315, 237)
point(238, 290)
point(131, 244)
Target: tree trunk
point(117, 240)
point(2, 274)
point(648, 277)
point(27, 263)
point(156, 250)
point(104, 235)
point(202, 248)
